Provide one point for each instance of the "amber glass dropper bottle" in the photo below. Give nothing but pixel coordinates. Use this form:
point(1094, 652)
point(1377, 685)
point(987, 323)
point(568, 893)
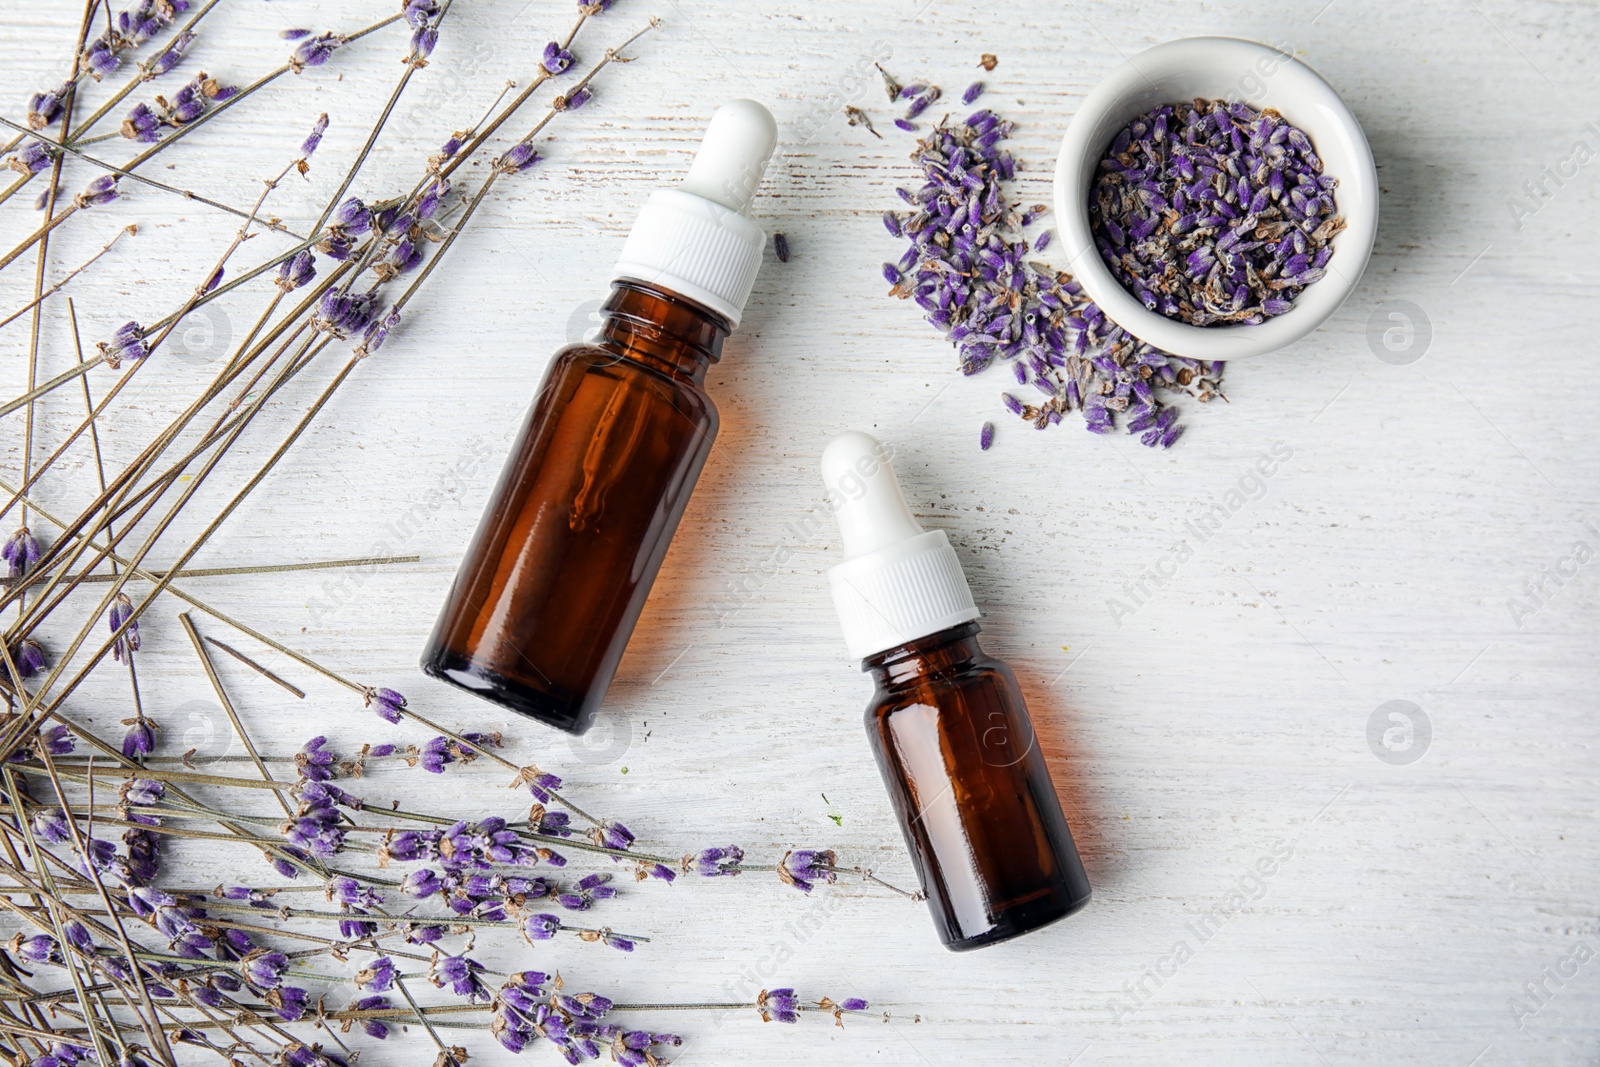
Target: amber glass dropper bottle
point(947, 724)
point(554, 580)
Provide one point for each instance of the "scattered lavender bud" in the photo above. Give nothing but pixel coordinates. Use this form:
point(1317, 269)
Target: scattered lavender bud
point(854, 1004)
point(318, 128)
point(906, 124)
point(1043, 240)
point(972, 93)
point(294, 34)
point(986, 436)
point(780, 245)
point(918, 106)
point(891, 274)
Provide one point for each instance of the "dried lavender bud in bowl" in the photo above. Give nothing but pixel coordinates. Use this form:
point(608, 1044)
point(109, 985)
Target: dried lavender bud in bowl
point(1158, 299)
point(1213, 212)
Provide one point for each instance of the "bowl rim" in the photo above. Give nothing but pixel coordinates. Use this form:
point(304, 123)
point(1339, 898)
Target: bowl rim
point(1295, 89)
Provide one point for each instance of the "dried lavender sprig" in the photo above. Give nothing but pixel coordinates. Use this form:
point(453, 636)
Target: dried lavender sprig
point(183, 131)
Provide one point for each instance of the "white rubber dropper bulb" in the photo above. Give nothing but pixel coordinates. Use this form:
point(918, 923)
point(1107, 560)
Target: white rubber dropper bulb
point(738, 143)
point(871, 509)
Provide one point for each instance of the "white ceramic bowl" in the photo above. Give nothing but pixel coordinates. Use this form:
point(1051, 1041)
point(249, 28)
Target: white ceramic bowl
point(1216, 68)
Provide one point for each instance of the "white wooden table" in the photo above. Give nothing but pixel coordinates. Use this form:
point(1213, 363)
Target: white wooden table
point(1223, 723)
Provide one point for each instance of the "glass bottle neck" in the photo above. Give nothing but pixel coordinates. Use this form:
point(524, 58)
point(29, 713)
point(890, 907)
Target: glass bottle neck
point(945, 653)
point(661, 329)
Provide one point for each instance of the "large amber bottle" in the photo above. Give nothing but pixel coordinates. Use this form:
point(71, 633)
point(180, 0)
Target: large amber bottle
point(564, 557)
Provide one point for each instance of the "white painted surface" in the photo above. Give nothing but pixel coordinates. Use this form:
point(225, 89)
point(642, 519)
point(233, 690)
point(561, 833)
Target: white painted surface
point(1225, 718)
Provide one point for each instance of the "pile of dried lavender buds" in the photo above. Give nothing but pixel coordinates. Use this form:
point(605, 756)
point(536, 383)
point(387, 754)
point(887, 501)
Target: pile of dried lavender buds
point(968, 267)
point(1214, 213)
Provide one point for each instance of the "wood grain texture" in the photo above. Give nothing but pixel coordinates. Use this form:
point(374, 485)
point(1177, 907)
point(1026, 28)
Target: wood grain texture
point(1225, 718)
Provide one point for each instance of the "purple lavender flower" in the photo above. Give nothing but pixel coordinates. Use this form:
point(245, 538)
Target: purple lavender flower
point(377, 334)
point(540, 927)
point(45, 107)
point(778, 1005)
point(460, 974)
point(298, 270)
point(906, 125)
point(573, 101)
point(376, 976)
point(612, 834)
point(40, 948)
point(126, 643)
point(556, 58)
point(57, 740)
point(420, 12)
point(386, 702)
point(542, 786)
point(29, 657)
point(372, 1027)
point(1043, 240)
point(972, 93)
point(314, 762)
point(171, 57)
point(20, 552)
point(986, 436)
point(315, 51)
point(423, 41)
point(126, 343)
point(353, 217)
point(264, 970)
point(594, 7)
point(318, 128)
point(519, 157)
point(718, 862)
point(294, 34)
point(32, 158)
point(290, 1002)
point(101, 190)
point(50, 824)
point(143, 792)
point(100, 59)
point(854, 1004)
point(804, 867)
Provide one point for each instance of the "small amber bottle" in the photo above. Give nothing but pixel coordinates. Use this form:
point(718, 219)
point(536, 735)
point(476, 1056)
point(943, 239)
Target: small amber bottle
point(558, 572)
point(947, 724)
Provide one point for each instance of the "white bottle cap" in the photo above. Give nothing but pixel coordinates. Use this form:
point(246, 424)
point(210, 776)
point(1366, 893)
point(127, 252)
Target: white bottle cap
point(696, 240)
point(898, 582)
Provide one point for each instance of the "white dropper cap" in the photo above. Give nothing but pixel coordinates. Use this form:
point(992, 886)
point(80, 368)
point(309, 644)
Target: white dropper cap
point(696, 240)
point(898, 582)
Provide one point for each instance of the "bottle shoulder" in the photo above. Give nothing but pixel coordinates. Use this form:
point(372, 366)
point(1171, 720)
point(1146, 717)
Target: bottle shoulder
point(941, 686)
